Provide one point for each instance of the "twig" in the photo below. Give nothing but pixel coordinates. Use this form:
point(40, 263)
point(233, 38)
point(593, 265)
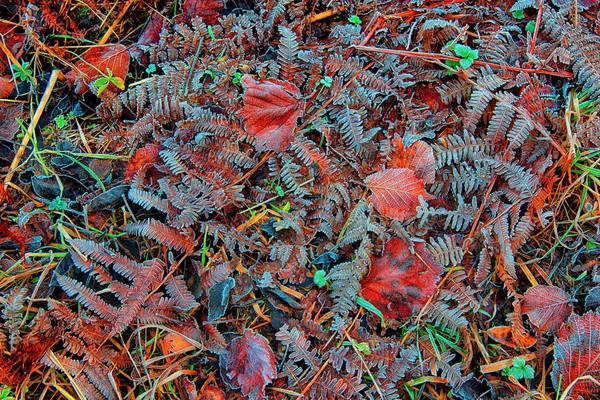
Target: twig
point(437, 56)
point(31, 129)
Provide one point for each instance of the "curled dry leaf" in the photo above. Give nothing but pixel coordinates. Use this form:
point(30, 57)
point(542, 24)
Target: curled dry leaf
point(270, 110)
point(208, 10)
point(507, 336)
point(577, 355)
point(417, 157)
point(95, 64)
point(248, 363)
point(396, 192)
point(400, 282)
point(547, 307)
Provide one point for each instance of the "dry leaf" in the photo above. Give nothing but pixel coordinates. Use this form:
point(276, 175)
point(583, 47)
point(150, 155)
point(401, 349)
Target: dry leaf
point(248, 363)
point(396, 192)
point(95, 64)
point(417, 157)
point(208, 10)
point(577, 354)
point(400, 282)
point(547, 307)
point(506, 335)
point(270, 110)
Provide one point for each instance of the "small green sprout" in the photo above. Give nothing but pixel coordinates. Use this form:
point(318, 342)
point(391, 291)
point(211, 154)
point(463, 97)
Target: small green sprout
point(58, 204)
point(518, 14)
point(363, 347)
point(519, 369)
point(279, 190)
point(237, 78)
point(23, 72)
point(209, 73)
point(467, 56)
point(530, 27)
point(61, 121)
point(151, 68)
point(355, 20)
point(103, 82)
point(325, 82)
point(319, 278)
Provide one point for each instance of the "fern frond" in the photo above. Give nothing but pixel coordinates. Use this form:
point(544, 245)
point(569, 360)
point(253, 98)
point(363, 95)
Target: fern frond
point(288, 50)
point(167, 236)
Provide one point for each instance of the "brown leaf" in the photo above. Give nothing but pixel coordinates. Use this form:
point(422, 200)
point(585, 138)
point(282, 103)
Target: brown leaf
point(547, 307)
point(396, 192)
point(95, 64)
point(7, 85)
point(417, 157)
point(577, 354)
point(400, 282)
point(248, 363)
point(270, 110)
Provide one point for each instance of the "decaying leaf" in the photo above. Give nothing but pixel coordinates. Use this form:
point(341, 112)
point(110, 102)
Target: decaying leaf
point(208, 10)
point(577, 355)
point(547, 307)
point(270, 110)
point(95, 64)
point(400, 282)
point(417, 157)
point(248, 363)
point(9, 123)
point(396, 192)
point(506, 335)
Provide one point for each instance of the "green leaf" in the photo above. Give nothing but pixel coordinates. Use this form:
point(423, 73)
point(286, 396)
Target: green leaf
point(279, 190)
point(151, 68)
point(355, 19)
point(61, 121)
point(462, 50)
point(211, 33)
point(528, 372)
point(364, 303)
point(319, 278)
point(518, 14)
point(466, 62)
point(530, 27)
point(518, 362)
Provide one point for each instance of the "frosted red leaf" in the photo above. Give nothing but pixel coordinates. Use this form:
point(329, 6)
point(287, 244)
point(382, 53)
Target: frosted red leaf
point(95, 64)
point(13, 41)
point(400, 282)
point(396, 192)
point(577, 355)
point(6, 86)
point(270, 110)
point(547, 307)
point(417, 157)
point(248, 363)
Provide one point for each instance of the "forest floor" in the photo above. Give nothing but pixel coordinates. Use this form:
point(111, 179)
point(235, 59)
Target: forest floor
point(300, 199)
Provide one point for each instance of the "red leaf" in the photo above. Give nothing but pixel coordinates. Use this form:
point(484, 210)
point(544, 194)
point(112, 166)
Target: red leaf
point(150, 35)
point(547, 307)
point(400, 282)
point(95, 64)
point(417, 157)
point(248, 363)
point(208, 10)
point(270, 110)
point(577, 354)
point(396, 192)
point(143, 159)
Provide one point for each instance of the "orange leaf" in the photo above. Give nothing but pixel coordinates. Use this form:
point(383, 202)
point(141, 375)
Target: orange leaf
point(270, 110)
point(506, 335)
point(547, 307)
point(400, 282)
point(396, 192)
point(417, 157)
point(173, 343)
point(95, 64)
